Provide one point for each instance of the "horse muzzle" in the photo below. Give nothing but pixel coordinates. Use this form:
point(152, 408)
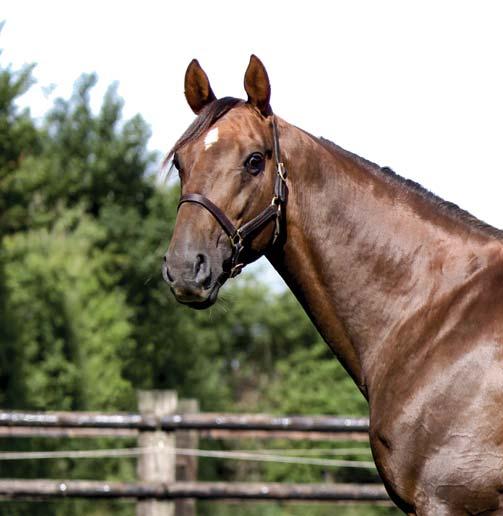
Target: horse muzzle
point(191, 281)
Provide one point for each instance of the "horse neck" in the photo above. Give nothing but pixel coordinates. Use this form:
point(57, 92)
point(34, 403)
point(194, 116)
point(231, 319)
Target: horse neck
point(364, 253)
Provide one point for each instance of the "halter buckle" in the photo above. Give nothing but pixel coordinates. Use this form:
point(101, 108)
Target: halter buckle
point(281, 170)
point(236, 240)
point(236, 270)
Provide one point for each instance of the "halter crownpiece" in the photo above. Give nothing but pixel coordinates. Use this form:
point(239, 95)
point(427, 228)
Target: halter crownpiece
point(238, 236)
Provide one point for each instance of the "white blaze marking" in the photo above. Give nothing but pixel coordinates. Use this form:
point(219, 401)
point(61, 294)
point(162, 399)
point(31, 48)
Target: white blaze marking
point(211, 138)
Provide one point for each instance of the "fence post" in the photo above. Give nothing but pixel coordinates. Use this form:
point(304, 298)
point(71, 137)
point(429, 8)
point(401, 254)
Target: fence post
point(158, 466)
point(186, 466)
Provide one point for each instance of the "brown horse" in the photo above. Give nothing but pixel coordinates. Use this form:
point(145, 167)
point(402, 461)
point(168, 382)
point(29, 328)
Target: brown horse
point(405, 288)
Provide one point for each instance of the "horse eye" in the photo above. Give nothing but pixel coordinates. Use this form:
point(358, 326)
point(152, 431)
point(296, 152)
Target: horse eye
point(254, 163)
point(176, 164)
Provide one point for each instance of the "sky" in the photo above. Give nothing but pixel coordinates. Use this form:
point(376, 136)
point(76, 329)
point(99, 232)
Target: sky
point(416, 86)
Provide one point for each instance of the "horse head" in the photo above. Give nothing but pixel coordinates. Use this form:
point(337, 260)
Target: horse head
point(232, 186)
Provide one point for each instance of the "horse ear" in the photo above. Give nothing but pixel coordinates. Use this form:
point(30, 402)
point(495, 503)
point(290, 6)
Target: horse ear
point(198, 91)
point(257, 85)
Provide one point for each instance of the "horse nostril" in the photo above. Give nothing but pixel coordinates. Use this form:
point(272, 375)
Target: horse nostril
point(165, 271)
point(202, 270)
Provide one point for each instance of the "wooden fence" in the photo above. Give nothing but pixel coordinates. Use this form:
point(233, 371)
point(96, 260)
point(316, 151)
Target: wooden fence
point(167, 483)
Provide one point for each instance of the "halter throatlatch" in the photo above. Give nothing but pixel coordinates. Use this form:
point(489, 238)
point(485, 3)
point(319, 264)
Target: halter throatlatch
point(238, 236)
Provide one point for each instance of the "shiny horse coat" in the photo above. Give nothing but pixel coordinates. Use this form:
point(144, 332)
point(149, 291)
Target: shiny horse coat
point(405, 288)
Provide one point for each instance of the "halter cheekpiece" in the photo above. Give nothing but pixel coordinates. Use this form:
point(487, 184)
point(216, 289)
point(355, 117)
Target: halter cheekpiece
point(238, 236)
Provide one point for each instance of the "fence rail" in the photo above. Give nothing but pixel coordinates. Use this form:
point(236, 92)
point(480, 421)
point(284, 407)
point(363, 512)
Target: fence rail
point(292, 435)
point(167, 479)
point(201, 490)
point(200, 421)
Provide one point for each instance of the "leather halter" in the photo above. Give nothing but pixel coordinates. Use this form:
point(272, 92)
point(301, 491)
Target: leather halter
point(238, 236)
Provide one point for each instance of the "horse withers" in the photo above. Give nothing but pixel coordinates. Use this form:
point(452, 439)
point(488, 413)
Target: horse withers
point(405, 288)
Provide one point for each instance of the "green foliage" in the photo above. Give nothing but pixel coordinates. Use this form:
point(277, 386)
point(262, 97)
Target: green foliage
point(64, 308)
point(311, 381)
point(19, 139)
point(290, 509)
point(17, 131)
point(99, 159)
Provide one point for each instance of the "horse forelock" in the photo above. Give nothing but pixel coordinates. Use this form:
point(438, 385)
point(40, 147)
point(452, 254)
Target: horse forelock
point(204, 120)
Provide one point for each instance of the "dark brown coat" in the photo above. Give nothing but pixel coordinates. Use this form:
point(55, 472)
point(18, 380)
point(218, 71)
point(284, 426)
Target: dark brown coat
point(406, 289)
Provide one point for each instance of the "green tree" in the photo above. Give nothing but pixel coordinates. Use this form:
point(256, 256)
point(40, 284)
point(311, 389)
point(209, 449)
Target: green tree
point(70, 322)
point(19, 139)
point(71, 327)
point(312, 381)
point(97, 159)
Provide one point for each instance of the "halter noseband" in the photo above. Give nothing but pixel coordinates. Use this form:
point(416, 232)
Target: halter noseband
point(238, 236)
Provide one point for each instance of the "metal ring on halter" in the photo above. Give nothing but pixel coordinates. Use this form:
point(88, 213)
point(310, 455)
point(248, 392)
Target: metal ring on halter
point(236, 239)
point(281, 171)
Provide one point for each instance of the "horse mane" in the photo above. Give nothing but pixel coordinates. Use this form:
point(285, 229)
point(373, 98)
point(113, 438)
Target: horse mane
point(449, 208)
point(218, 108)
point(205, 119)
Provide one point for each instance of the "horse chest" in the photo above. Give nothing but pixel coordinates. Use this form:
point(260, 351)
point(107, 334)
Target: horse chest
point(442, 439)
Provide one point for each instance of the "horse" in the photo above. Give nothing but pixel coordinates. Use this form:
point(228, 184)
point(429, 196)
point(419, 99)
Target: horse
point(405, 288)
